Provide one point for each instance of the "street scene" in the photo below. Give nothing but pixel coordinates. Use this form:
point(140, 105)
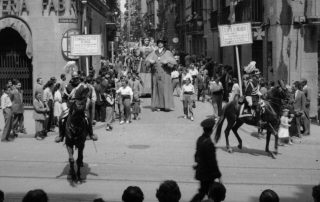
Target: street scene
point(160, 100)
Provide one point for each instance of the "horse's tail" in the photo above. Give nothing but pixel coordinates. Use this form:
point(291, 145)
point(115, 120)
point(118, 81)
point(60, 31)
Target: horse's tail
point(219, 124)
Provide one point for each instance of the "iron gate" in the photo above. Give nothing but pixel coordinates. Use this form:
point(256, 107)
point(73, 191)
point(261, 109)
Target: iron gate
point(15, 64)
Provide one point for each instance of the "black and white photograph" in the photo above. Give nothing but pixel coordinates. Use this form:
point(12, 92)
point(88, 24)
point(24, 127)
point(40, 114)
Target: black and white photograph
point(160, 100)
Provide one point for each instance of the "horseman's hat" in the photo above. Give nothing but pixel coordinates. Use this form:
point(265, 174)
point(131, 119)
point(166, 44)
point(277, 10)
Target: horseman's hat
point(285, 110)
point(250, 67)
point(208, 123)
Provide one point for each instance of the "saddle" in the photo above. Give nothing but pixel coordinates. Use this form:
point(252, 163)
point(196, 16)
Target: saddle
point(246, 110)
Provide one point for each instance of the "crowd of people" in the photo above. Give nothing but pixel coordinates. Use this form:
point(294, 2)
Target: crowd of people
point(168, 191)
point(114, 92)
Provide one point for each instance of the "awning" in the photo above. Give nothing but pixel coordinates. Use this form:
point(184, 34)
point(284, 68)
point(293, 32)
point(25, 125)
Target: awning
point(22, 28)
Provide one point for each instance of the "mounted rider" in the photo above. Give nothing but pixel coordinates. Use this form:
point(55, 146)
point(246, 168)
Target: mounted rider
point(251, 90)
point(77, 88)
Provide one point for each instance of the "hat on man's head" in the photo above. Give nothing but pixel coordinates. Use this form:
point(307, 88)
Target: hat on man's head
point(208, 123)
point(250, 67)
point(285, 110)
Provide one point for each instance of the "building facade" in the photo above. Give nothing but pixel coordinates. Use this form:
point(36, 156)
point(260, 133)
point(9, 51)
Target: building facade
point(34, 37)
point(284, 36)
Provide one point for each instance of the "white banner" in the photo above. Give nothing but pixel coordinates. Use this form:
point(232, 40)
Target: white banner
point(85, 45)
point(235, 34)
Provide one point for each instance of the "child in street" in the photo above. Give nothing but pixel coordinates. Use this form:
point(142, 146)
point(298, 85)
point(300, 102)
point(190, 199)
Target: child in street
point(188, 99)
point(136, 87)
point(109, 109)
point(283, 133)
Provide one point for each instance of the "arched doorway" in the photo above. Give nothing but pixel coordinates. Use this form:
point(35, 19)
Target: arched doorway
point(14, 63)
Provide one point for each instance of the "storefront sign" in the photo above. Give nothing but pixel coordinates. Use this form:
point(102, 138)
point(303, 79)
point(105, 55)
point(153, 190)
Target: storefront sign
point(235, 34)
point(18, 7)
point(83, 45)
point(68, 20)
point(13, 7)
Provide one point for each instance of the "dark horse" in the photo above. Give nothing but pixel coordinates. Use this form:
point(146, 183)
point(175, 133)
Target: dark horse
point(76, 133)
point(269, 116)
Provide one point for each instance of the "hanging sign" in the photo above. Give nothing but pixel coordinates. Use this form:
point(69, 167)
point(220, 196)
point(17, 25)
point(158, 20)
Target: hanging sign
point(85, 45)
point(235, 34)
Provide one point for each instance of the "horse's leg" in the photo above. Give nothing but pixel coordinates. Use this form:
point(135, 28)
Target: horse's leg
point(80, 161)
point(276, 139)
point(267, 144)
point(227, 133)
point(72, 172)
point(235, 131)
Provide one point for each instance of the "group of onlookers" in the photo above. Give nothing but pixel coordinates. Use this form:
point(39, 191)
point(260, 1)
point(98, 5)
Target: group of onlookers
point(13, 108)
point(168, 191)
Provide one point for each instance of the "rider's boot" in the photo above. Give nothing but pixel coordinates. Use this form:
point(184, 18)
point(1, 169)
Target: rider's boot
point(92, 136)
point(241, 112)
point(62, 128)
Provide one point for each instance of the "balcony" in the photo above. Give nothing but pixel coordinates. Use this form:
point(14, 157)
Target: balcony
point(245, 11)
point(249, 11)
point(195, 27)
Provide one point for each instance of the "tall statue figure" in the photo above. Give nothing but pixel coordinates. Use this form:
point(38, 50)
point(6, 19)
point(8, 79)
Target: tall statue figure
point(161, 62)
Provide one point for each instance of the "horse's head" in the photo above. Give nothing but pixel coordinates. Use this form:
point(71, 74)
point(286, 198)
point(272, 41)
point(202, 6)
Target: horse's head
point(270, 115)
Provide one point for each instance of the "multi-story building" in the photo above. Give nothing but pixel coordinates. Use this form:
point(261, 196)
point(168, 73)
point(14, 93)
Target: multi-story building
point(284, 39)
point(35, 36)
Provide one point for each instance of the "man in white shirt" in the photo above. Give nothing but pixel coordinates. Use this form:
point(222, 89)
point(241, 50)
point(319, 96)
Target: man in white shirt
point(6, 105)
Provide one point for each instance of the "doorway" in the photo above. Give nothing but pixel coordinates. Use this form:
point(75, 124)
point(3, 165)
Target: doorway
point(14, 63)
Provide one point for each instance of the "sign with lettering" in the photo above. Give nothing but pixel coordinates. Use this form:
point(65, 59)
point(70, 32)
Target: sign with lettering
point(84, 45)
point(68, 20)
point(235, 34)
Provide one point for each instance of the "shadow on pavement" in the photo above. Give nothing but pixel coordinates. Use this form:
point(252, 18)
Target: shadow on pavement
point(85, 171)
point(304, 194)
point(245, 150)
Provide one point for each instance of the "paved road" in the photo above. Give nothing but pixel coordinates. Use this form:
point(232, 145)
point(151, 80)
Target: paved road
point(160, 146)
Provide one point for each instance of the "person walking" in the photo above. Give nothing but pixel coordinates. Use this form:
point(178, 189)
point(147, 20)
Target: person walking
point(216, 91)
point(6, 106)
point(126, 96)
point(17, 108)
point(207, 170)
point(188, 99)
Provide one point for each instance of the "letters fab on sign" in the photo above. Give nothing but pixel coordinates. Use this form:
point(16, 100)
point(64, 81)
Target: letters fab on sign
point(18, 7)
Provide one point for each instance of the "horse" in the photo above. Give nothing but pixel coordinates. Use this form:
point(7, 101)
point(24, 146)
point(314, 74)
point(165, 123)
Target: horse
point(268, 116)
point(76, 132)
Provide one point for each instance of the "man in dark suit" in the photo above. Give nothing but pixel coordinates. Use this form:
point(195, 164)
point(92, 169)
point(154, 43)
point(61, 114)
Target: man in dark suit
point(299, 106)
point(307, 93)
point(207, 170)
point(17, 109)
